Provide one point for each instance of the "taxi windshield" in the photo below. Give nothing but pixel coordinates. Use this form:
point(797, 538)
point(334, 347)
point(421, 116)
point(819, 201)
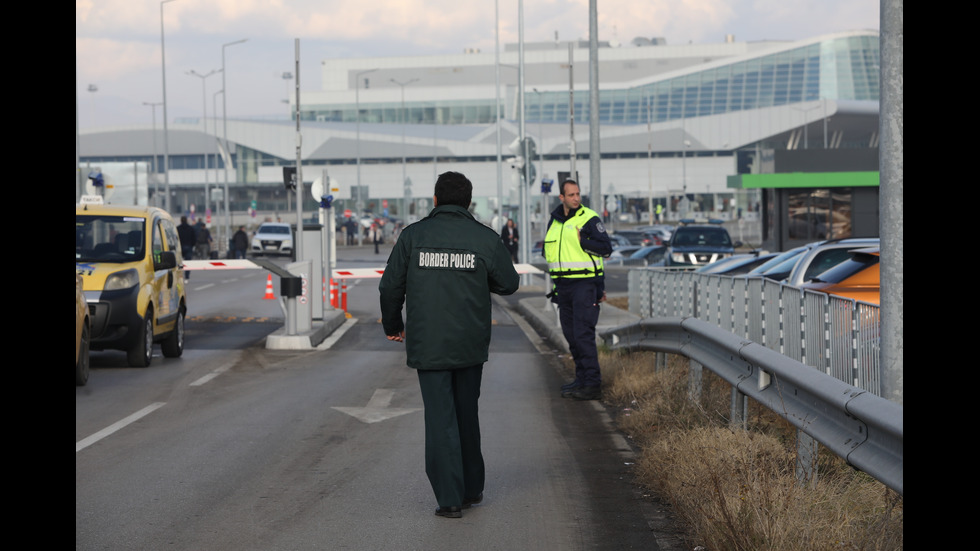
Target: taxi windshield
point(109, 238)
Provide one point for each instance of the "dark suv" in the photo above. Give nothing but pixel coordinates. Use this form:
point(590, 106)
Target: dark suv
point(694, 245)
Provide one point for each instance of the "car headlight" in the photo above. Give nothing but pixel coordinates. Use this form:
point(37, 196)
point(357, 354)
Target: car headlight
point(678, 257)
point(122, 280)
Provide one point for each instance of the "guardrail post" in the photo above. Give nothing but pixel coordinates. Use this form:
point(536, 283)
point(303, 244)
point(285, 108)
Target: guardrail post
point(739, 409)
point(806, 458)
point(694, 382)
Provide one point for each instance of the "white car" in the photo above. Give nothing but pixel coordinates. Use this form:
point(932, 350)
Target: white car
point(273, 238)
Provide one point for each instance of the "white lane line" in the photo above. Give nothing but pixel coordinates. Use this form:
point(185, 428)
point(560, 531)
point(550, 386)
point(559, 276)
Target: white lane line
point(335, 336)
point(217, 371)
point(202, 287)
point(88, 441)
point(210, 376)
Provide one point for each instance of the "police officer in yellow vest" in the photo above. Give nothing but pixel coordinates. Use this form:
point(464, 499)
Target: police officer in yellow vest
point(574, 246)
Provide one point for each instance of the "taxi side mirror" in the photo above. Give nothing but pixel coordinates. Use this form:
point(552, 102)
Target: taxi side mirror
point(165, 260)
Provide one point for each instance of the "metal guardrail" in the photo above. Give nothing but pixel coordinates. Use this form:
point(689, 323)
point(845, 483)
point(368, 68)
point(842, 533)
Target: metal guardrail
point(809, 357)
point(835, 335)
point(864, 429)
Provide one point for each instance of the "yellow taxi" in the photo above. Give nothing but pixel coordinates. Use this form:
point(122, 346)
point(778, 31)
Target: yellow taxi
point(133, 279)
point(81, 334)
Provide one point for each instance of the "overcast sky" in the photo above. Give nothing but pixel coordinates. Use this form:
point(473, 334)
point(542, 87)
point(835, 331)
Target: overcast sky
point(117, 42)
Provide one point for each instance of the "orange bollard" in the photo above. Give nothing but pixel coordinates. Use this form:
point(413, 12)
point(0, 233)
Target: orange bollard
point(344, 283)
point(333, 293)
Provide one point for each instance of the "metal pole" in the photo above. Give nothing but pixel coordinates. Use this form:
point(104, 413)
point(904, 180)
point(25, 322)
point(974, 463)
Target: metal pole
point(496, 108)
point(224, 135)
point(891, 202)
point(357, 104)
point(571, 112)
point(156, 187)
point(166, 141)
point(204, 120)
point(525, 231)
point(214, 124)
point(404, 161)
point(594, 154)
point(298, 241)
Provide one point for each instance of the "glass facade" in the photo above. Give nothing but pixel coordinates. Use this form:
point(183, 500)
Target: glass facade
point(844, 68)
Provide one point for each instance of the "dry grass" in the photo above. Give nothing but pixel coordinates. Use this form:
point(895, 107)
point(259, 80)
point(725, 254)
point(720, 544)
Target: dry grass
point(737, 489)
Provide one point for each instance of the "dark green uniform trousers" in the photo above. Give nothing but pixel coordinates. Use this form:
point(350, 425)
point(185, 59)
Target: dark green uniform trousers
point(453, 460)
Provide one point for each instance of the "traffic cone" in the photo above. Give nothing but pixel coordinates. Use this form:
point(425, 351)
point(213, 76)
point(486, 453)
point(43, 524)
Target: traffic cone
point(269, 295)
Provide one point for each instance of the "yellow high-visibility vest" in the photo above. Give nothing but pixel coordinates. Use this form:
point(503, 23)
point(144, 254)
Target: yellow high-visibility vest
point(563, 251)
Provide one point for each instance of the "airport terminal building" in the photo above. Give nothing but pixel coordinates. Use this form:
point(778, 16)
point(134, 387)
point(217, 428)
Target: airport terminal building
point(682, 126)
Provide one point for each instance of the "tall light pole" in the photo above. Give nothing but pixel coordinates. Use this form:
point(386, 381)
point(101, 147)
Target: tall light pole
point(214, 109)
point(357, 142)
point(224, 132)
point(156, 187)
point(166, 141)
point(204, 120)
point(404, 161)
point(496, 114)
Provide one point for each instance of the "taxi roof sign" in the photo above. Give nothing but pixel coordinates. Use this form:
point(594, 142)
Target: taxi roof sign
point(90, 200)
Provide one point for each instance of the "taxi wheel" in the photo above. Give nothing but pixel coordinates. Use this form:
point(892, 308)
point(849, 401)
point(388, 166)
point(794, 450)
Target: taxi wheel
point(82, 365)
point(173, 347)
point(141, 353)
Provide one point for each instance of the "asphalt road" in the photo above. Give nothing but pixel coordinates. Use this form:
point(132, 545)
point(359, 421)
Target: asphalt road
point(234, 446)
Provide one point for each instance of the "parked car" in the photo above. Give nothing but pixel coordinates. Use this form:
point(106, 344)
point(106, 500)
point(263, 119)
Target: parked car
point(132, 278)
point(858, 277)
point(272, 238)
point(82, 334)
point(663, 230)
point(619, 240)
point(623, 252)
point(736, 264)
point(693, 245)
point(643, 239)
point(824, 256)
point(637, 256)
point(779, 266)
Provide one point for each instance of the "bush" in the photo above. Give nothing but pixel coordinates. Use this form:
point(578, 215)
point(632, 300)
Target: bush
point(737, 489)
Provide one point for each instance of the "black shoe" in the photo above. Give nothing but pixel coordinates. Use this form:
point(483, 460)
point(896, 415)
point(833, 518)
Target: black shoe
point(570, 386)
point(587, 393)
point(449, 512)
point(467, 503)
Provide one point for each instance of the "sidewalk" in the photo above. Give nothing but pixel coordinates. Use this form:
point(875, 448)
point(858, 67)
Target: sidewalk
point(542, 314)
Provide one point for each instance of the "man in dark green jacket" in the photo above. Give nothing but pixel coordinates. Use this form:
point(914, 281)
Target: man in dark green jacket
point(443, 269)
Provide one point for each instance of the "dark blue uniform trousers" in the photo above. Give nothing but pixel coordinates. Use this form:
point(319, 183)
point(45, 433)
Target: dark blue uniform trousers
point(453, 459)
point(578, 312)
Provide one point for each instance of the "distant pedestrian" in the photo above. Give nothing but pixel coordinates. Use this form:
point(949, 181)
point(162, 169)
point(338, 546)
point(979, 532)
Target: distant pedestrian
point(508, 234)
point(375, 236)
point(202, 246)
point(188, 238)
point(240, 242)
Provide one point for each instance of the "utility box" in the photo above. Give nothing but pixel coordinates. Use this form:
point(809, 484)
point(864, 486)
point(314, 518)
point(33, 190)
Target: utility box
point(313, 252)
point(303, 321)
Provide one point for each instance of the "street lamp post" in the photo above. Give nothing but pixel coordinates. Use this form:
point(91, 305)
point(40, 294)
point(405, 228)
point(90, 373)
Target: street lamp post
point(404, 161)
point(204, 120)
point(224, 132)
point(166, 141)
point(214, 109)
point(357, 142)
point(156, 187)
